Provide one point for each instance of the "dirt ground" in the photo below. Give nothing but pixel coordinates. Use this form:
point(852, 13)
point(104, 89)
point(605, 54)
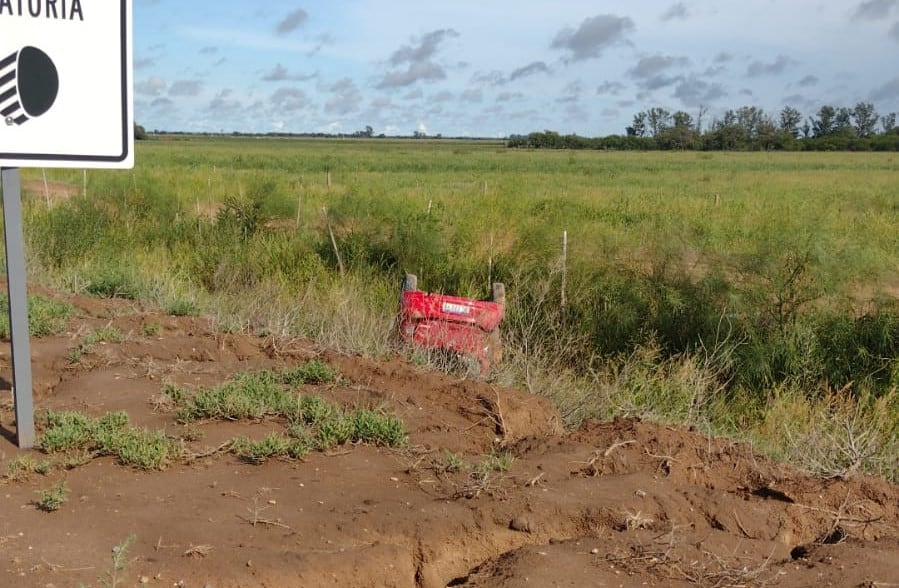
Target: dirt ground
point(623, 503)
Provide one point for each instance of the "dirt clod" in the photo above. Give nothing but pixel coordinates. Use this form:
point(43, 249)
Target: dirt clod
point(524, 524)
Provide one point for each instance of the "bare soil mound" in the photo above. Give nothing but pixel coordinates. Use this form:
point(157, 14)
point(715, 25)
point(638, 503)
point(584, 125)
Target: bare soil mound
point(625, 503)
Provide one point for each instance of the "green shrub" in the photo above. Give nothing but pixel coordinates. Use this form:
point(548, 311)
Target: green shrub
point(316, 410)
point(312, 372)
point(145, 449)
point(64, 236)
point(108, 432)
point(112, 282)
point(377, 429)
point(336, 430)
point(863, 350)
point(65, 431)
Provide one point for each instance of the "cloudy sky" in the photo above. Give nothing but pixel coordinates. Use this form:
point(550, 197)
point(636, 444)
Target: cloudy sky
point(499, 67)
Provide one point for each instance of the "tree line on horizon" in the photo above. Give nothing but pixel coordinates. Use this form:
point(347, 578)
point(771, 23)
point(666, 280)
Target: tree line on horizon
point(748, 128)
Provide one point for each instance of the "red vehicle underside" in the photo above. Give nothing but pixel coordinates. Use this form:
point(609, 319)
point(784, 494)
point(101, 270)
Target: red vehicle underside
point(461, 325)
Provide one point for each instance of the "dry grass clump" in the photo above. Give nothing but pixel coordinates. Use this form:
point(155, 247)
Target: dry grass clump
point(836, 435)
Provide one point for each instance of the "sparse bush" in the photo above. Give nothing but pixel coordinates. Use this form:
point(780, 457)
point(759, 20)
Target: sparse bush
point(22, 466)
point(449, 463)
point(838, 435)
point(112, 578)
point(53, 498)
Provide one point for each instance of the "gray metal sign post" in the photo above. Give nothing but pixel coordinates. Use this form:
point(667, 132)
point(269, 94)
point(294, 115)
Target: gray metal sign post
point(18, 307)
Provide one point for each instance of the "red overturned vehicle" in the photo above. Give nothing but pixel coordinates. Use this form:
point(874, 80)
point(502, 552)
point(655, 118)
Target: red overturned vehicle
point(462, 326)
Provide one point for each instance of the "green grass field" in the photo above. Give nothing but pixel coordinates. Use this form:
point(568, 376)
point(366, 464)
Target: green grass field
point(726, 290)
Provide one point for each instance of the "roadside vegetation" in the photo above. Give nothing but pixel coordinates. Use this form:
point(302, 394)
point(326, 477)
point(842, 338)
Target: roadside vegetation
point(45, 316)
point(752, 295)
point(310, 423)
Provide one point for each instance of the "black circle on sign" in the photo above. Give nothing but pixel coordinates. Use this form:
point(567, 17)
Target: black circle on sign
point(38, 81)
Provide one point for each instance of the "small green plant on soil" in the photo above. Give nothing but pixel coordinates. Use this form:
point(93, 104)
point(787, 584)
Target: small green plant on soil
point(312, 372)
point(311, 421)
point(251, 395)
point(75, 434)
point(22, 466)
point(497, 461)
point(114, 576)
point(449, 463)
point(65, 431)
point(52, 498)
point(46, 316)
point(374, 428)
point(333, 431)
point(483, 476)
point(105, 334)
point(151, 329)
point(273, 445)
point(75, 355)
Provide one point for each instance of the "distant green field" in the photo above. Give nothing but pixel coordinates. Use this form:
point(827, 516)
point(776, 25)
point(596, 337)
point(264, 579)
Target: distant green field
point(713, 206)
point(458, 213)
point(779, 271)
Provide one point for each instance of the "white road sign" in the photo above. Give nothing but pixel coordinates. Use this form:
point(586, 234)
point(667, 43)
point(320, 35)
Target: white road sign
point(66, 83)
